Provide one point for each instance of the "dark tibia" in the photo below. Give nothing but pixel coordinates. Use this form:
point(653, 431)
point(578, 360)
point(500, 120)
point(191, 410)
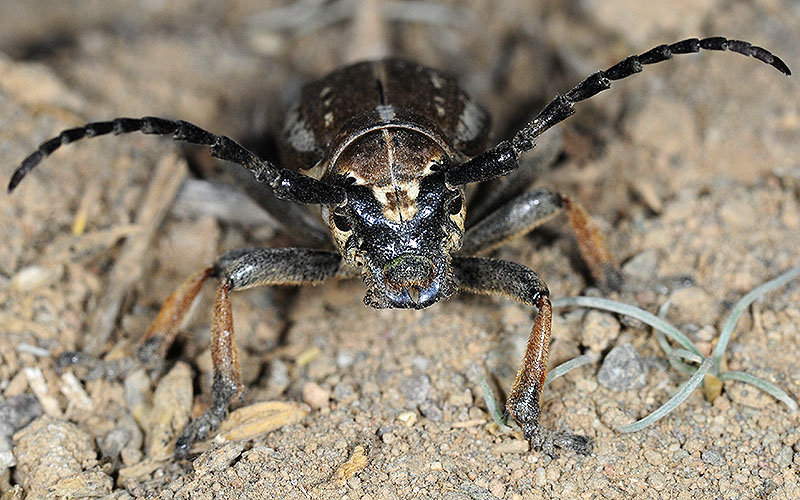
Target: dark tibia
point(286, 184)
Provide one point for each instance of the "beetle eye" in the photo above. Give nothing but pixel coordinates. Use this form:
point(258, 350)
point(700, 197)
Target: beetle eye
point(341, 222)
point(455, 205)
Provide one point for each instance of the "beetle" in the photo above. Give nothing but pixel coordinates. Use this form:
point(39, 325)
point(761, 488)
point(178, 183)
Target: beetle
point(386, 148)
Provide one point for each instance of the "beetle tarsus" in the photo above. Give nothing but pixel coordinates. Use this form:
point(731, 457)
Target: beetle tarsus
point(547, 441)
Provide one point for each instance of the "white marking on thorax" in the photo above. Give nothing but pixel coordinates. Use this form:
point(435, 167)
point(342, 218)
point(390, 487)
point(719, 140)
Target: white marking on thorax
point(385, 112)
point(299, 135)
point(437, 80)
point(470, 122)
point(439, 100)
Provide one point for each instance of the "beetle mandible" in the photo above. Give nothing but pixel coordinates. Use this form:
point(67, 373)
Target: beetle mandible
point(385, 148)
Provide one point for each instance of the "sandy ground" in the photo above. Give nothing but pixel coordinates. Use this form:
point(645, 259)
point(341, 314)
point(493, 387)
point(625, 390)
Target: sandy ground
point(690, 168)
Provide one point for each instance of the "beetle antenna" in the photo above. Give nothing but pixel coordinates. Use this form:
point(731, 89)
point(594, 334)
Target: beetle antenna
point(286, 184)
point(503, 158)
point(562, 106)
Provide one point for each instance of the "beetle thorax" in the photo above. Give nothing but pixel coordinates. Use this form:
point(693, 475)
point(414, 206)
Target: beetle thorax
point(401, 222)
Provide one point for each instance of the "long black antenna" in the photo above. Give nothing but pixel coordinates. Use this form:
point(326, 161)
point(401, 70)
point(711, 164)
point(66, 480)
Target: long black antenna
point(286, 184)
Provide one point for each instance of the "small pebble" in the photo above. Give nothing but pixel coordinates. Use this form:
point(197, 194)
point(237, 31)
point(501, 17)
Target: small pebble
point(33, 277)
point(415, 389)
point(623, 369)
point(344, 358)
point(747, 395)
point(114, 441)
point(693, 305)
point(599, 330)
point(18, 411)
point(784, 457)
point(315, 395)
point(217, 458)
point(172, 405)
point(642, 265)
point(430, 411)
point(57, 459)
point(278, 378)
point(408, 417)
point(713, 457)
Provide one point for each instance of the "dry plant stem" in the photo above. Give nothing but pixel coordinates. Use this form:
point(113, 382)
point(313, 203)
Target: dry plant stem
point(128, 268)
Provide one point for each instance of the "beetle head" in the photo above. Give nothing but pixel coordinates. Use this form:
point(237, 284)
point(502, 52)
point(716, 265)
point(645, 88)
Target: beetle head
point(402, 233)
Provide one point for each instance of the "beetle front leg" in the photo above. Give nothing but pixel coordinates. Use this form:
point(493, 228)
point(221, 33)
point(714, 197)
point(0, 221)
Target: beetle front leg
point(236, 270)
point(497, 277)
point(532, 209)
point(227, 384)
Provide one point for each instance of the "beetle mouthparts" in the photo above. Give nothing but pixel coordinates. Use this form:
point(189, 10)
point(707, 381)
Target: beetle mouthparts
point(409, 271)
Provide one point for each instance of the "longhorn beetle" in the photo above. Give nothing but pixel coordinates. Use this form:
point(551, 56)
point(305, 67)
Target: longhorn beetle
point(385, 148)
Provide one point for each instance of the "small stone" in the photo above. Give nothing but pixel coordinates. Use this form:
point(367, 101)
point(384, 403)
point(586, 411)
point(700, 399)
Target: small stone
point(114, 441)
point(278, 378)
point(415, 389)
point(57, 457)
point(217, 458)
point(18, 411)
point(657, 481)
point(623, 369)
point(430, 411)
point(511, 446)
point(344, 358)
point(172, 407)
point(344, 393)
point(642, 265)
point(784, 457)
point(408, 417)
point(599, 330)
point(33, 277)
point(693, 305)
point(540, 477)
point(315, 395)
point(497, 488)
point(713, 457)
point(747, 395)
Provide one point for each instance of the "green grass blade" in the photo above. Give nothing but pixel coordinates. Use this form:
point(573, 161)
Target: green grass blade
point(688, 356)
point(744, 303)
point(634, 312)
point(490, 399)
point(680, 395)
point(566, 367)
point(768, 387)
point(674, 361)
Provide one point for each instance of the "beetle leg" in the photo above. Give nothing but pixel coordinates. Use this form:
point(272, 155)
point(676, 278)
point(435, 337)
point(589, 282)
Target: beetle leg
point(497, 277)
point(236, 270)
point(227, 383)
point(491, 195)
point(153, 346)
point(532, 209)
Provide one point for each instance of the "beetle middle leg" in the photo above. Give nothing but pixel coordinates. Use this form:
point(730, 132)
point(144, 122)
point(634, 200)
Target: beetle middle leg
point(498, 277)
point(236, 270)
point(532, 209)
